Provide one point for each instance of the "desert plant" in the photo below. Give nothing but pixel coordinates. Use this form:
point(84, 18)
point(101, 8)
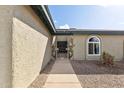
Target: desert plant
point(70, 51)
point(53, 51)
point(107, 59)
point(71, 45)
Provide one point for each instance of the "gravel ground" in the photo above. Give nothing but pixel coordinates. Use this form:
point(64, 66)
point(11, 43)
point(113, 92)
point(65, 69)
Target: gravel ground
point(41, 79)
point(93, 74)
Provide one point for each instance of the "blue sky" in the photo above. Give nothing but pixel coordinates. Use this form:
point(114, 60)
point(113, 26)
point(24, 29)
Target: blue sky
point(87, 16)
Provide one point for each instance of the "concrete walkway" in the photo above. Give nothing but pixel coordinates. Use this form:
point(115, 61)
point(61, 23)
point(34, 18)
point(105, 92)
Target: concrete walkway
point(62, 75)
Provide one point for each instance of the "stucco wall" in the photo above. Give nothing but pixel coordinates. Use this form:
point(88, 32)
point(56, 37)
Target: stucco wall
point(28, 53)
point(6, 13)
point(31, 46)
point(112, 44)
point(28, 16)
point(79, 47)
point(62, 38)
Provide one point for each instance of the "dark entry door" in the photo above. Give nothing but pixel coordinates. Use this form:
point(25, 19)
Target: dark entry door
point(62, 45)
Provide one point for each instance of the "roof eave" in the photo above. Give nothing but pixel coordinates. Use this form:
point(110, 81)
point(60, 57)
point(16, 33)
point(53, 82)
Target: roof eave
point(90, 32)
point(44, 16)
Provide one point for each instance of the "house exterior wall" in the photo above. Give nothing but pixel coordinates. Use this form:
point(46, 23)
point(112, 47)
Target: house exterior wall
point(79, 47)
point(27, 15)
point(113, 44)
point(62, 38)
point(31, 46)
point(6, 13)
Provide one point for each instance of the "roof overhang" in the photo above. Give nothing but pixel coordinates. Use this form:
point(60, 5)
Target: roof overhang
point(88, 32)
point(44, 14)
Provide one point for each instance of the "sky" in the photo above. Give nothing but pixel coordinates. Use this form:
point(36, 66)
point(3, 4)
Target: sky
point(87, 16)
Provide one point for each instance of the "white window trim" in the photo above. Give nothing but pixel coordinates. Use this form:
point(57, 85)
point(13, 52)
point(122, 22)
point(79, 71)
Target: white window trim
point(93, 42)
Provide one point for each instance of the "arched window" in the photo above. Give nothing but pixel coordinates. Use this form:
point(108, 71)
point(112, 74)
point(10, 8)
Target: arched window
point(93, 46)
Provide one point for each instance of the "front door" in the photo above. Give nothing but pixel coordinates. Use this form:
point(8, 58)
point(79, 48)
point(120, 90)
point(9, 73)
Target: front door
point(62, 46)
point(62, 49)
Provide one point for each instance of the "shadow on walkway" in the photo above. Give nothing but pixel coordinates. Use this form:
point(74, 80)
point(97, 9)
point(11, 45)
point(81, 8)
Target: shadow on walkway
point(88, 74)
point(41, 79)
point(62, 75)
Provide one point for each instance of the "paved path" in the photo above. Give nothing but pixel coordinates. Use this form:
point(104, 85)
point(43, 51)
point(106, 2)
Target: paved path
point(62, 75)
point(89, 74)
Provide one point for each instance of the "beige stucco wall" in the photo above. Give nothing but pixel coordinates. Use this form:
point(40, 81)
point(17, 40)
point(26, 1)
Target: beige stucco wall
point(6, 13)
point(112, 44)
point(62, 38)
point(16, 66)
point(79, 47)
point(28, 16)
point(31, 47)
point(28, 53)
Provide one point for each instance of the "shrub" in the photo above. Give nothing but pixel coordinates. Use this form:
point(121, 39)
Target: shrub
point(71, 45)
point(107, 58)
point(53, 51)
point(70, 52)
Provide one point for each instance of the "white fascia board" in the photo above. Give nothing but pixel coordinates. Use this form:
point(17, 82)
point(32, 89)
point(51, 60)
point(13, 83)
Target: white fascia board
point(48, 17)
